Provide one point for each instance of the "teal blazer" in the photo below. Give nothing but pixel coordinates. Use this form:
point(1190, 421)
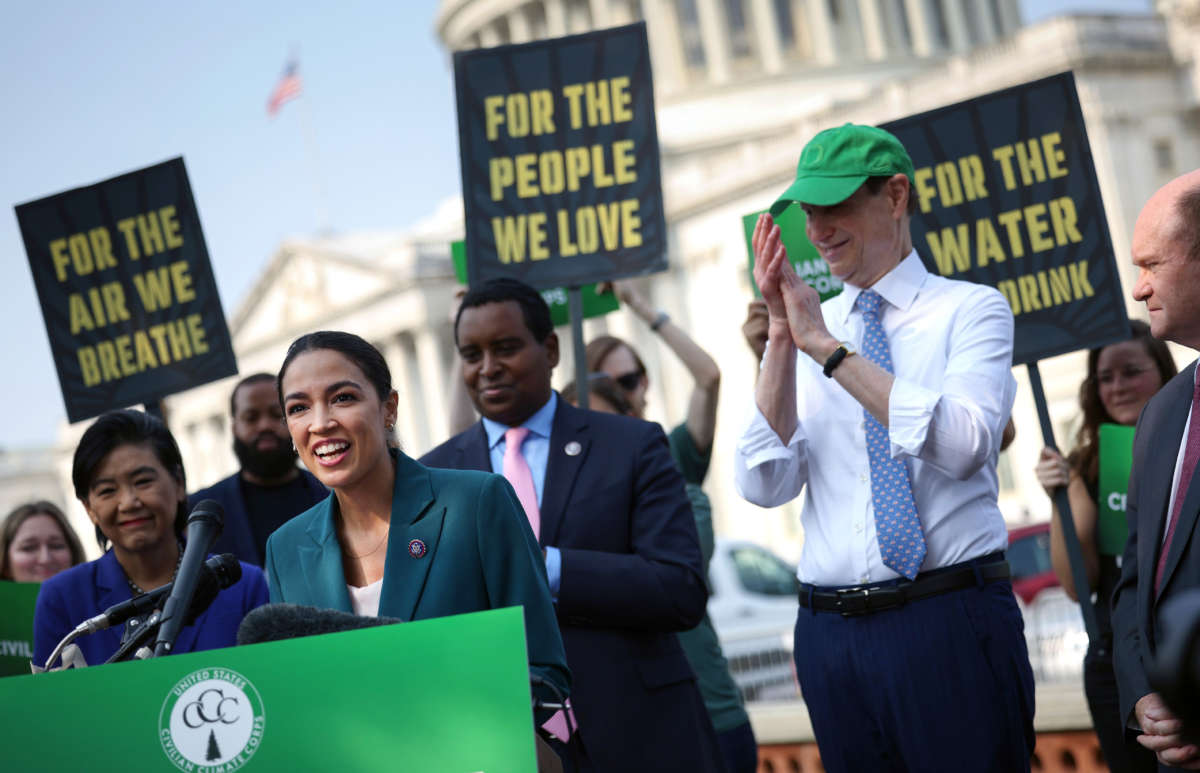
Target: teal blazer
point(479, 553)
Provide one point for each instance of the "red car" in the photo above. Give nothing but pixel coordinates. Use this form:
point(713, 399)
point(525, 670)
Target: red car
point(1029, 558)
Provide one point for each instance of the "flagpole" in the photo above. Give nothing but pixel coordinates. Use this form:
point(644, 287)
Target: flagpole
point(314, 160)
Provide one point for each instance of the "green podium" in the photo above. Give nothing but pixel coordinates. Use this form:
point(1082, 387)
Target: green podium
point(446, 695)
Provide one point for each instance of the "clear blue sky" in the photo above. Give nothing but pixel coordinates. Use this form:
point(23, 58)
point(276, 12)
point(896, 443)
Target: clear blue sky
point(95, 89)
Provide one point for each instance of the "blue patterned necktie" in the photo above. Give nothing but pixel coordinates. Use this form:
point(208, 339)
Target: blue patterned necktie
point(897, 527)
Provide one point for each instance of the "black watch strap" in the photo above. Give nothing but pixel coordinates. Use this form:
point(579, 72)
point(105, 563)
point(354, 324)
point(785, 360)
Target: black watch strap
point(840, 353)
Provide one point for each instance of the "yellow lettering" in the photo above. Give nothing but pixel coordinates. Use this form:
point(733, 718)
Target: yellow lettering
point(152, 238)
point(526, 176)
point(951, 250)
point(1011, 221)
point(154, 287)
point(1036, 225)
point(925, 191)
point(621, 99)
point(127, 226)
point(1004, 156)
point(624, 162)
point(631, 224)
point(988, 242)
point(492, 116)
point(196, 331)
point(1063, 216)
point(573, 92)
point(1080, 286)
point(500, 172)
point(541, 109)
point(1029, 292)
point(578, 166)
point(509, 232)
point(170, 227)
point(601, 178)
point(1055, 156)
point(89, 367)
point(60, 258)
point(80, 319)
point(182, 280)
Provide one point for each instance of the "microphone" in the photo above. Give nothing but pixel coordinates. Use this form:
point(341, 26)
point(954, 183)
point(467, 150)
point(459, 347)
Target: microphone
point(275, 622)
point(203, 526)
point(217, 574)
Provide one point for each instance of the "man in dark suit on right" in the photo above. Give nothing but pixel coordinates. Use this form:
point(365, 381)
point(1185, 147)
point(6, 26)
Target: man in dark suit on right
point(1162, 556)
point(610, 510)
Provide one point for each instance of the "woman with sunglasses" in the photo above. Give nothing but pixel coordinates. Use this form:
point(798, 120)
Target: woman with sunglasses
point(1121, 378)
point(691, 446)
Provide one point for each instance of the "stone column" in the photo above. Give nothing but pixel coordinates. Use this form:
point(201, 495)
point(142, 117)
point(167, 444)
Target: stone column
point(1010, 17)
point(920, 27)
point(820, 31)
point(715, 36)
point(600, 14)
point(766, 36)
point(556, 18)
point(518, 26)
point(620, 13)
point(396, 355)
point(666, 47)
point(874, 39)
point(432, 372)
point(987, 22)
point(956, 25)
point(489, 36)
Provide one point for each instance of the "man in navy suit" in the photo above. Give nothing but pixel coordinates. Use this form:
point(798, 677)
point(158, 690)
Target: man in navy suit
point(613, 518)
point(269, 489)
point(1162, 556)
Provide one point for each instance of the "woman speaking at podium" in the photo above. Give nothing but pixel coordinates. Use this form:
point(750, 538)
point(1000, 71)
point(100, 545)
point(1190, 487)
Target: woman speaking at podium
point(396, 538)
point(129, 476)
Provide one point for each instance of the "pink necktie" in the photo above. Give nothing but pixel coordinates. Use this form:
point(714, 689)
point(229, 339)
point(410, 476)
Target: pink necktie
point(516, 472)
point(1190, 456)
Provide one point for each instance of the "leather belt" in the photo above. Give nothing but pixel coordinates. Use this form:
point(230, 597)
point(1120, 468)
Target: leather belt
point(868, 599)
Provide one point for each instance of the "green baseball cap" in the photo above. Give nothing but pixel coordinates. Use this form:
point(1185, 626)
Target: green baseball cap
point(836, 162)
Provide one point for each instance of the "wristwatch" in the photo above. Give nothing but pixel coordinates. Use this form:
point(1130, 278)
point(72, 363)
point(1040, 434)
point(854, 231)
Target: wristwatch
point(843, 351)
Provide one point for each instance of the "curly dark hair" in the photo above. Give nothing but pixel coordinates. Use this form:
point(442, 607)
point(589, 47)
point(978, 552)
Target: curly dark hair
point(1085, 459)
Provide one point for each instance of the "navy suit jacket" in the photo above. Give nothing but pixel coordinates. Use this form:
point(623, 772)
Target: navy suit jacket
point(1135, 604)
point(236, 536)
point(614, 504)
point(70, 597)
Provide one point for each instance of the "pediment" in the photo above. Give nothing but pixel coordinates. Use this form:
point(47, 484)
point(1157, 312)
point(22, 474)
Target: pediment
point(304, 284)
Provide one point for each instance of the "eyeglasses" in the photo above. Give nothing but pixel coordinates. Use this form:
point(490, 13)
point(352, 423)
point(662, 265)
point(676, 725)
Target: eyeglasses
point(629, 381)
point(1128, 373)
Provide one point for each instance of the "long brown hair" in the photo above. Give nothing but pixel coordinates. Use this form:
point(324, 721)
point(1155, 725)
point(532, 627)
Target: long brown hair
point(1085, 459)
point(601, 346)
point(13, 521)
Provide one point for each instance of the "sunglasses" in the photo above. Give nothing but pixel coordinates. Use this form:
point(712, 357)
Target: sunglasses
point(629, 381)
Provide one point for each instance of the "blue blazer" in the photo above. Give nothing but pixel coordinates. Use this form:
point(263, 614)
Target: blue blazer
point(479, 553)
point(617, 510)
point(236, 536)
point(70, 597)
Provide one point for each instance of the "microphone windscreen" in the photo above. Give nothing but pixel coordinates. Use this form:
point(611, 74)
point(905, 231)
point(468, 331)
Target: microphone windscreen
point(274, 622)
point(209, 510)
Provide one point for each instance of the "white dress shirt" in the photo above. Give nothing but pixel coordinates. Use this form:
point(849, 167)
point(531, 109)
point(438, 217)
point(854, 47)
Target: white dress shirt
point(951, 344)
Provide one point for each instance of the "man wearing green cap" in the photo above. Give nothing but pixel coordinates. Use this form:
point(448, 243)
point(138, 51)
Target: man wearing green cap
point(886, 405)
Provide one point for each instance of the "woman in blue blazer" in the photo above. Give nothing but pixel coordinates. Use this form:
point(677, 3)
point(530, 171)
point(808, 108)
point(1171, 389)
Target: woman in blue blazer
point(129, 476)
point(396, 538)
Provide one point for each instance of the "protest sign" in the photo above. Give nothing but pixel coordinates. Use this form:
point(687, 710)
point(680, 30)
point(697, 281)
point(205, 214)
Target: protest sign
point(126, 289)
point(1116, 460)
point(18, 600)
point(560, 159)
point(594, 304)
point(809, 264)
point(1007, 196)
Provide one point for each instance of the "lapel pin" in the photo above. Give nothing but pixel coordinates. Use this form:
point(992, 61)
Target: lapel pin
point(416, 548)
point(573, 448)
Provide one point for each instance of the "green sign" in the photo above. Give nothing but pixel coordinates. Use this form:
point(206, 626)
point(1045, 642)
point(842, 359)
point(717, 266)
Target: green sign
point(449, 695)
point(594, 304)
point(1116, 458)
point(17, 599)
point(809, 264)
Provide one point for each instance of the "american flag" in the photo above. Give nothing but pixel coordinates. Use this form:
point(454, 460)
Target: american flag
point(287, 89)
